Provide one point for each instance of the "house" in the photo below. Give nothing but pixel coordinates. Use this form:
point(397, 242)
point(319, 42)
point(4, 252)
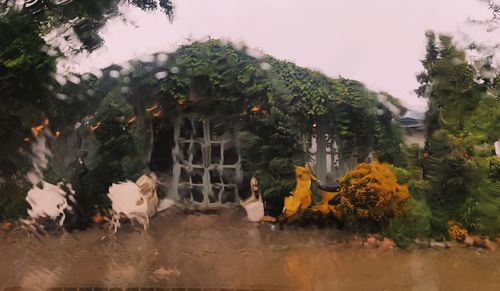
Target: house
point(209, 116)
point(413, 124)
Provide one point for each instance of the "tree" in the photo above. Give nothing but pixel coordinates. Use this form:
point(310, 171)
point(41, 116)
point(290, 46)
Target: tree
point(32, 96)
point(459, 126)
point(26, 83)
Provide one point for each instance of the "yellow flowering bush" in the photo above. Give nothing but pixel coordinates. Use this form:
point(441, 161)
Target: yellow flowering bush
point(371, 191)
point(456, 231)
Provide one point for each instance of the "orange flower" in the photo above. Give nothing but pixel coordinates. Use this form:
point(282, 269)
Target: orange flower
point(98, 218)
point(158, 114)
point(94, 127)
point(153, 107)
point(255, 109)
point(132, 119)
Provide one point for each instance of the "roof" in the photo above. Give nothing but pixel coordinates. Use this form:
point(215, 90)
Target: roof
point(412, 119)
point(416, 115)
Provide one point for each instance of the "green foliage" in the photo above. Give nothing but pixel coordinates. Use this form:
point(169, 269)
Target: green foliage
point(450, 84)
point(25, 82)
point(28, 98)
point(118, 157)
point(487, 218)
point(30, 92)
point(414, 224)
point(462, 123)
point(388, 140)
point(346, 107)
point(494, 168)
point(402, 175)
point(233, 83)
point(12, 198)
point(215, 78)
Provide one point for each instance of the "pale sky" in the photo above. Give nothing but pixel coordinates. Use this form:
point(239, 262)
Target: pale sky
point(378, 42)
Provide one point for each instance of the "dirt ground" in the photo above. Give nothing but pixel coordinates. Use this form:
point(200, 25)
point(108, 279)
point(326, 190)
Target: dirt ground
point(222, 250)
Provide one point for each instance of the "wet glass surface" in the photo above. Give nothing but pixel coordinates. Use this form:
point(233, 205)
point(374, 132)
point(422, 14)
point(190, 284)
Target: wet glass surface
point(229, 194)
point(197, 175)
point(197, 193)
point(194, 251)
point(197, 154)
point(230, 153)
point(229, 176)
point(186, 129)
point(113, 115)
point(215, 154)
point(215, 176)
point(217, 129)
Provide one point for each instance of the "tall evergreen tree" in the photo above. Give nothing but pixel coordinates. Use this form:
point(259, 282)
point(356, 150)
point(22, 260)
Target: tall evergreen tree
point(454, 167)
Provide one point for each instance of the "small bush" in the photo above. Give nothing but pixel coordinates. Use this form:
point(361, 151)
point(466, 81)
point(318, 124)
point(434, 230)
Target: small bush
point(370, 194)
point(415, 223)
point(13, 199)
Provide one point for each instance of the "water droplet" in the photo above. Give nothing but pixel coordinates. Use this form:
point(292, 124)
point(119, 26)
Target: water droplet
point(61, 96)
point(161, 75)
point(175, 70)
point(256, 53)
point(161, 58)
point(86, 76)
point(74, 79)
point(114, 74)
point(29, 3)
point(265, 66)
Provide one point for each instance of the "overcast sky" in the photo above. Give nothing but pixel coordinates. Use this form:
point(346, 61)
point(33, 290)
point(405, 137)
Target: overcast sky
point(378, 42)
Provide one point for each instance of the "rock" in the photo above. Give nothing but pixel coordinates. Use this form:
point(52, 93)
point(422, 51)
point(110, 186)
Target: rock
point(371, 242)
point(164, 274)
point(491, 245)
point(469, 241)
point(7, 226)
point(452, 244)
point(268, 218)
point(356, 240)
point(479, 242)
point(165, 204)
point(422, 243)
point(438, 244)
point(388, 244)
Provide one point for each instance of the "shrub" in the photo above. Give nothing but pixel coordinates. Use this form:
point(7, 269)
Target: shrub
point(371, 194)
point(415, 223)
point(12, 198)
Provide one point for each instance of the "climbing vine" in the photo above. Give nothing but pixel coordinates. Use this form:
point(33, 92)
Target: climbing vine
point(271, 105)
